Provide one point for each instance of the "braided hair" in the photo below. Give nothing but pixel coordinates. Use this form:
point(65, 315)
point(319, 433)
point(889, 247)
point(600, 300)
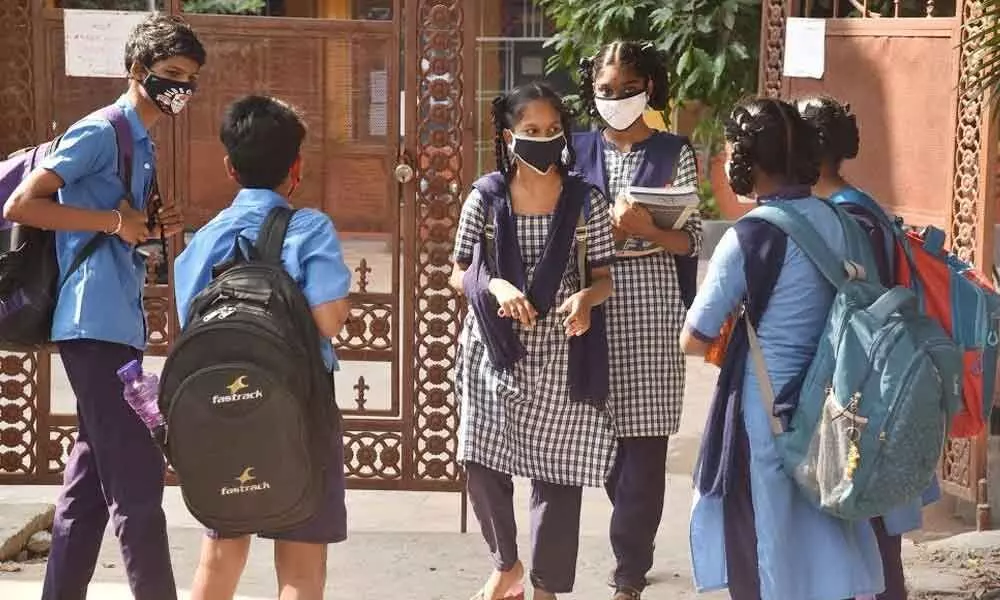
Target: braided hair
point(836, 125)
point(507, 112)
point(772, 136)
point(642, 57)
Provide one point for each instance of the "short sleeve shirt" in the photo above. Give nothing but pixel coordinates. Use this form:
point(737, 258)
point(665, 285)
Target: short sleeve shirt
point(312, 253)
point(102, 299)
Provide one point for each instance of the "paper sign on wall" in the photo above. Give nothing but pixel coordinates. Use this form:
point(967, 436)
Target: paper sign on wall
point(95, 41)
point(805, 48)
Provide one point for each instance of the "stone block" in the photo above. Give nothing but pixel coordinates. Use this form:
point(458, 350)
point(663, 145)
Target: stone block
point(18, 522)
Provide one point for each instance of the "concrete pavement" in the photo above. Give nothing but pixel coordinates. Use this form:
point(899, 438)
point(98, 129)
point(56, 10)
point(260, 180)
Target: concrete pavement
point(407, 545)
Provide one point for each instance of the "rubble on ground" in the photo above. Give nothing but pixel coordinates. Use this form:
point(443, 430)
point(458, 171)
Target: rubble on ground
point(25, 534)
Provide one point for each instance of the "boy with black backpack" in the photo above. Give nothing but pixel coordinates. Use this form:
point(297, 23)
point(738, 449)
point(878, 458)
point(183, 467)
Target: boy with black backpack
point(102, 174)
point(232, 354)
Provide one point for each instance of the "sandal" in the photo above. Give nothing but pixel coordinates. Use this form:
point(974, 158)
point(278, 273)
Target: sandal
point(516, 593)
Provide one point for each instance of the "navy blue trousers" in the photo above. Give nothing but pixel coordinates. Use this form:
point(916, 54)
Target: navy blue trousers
point(115, 470)
point(636, 487)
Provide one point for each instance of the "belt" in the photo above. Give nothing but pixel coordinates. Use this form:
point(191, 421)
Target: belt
point(638, 253)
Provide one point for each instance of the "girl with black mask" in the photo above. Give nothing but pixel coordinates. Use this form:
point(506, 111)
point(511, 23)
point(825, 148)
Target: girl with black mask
point(533, 255)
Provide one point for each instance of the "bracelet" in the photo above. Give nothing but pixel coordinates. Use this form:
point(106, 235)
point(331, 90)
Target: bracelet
point(117, 228)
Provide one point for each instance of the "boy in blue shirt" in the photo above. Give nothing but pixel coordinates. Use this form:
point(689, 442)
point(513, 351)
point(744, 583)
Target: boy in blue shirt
point(99, 323)
point(263, 137)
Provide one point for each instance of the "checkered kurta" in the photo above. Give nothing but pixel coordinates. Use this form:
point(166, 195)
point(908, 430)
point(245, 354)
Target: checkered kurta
point(522, 422)
point(645, 316)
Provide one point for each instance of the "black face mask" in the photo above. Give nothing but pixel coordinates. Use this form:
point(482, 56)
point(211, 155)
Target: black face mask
point(169, 95)
point(539, 153)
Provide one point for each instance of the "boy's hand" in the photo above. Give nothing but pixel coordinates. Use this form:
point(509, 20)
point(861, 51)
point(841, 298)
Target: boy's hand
point(133, 230)
point(170, 217)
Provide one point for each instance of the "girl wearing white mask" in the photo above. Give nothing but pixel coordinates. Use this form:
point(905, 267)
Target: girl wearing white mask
point(655, 277)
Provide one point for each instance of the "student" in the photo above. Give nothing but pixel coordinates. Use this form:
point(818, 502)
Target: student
point(840, 141)
point(99, 325)
point(752, 530)
point(263, 139)
point(532, 359)
point(647, 309)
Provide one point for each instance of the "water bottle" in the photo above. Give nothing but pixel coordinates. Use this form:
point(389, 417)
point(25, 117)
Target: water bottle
point(142, 392)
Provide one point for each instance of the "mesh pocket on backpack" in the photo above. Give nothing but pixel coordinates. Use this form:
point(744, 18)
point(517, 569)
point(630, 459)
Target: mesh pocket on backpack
point(833, 457)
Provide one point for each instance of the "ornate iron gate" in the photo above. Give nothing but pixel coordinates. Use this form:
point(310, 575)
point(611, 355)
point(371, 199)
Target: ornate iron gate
point(401, 424)
point(932, 31)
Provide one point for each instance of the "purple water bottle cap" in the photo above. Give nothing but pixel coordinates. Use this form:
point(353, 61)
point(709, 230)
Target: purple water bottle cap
point(131, 371)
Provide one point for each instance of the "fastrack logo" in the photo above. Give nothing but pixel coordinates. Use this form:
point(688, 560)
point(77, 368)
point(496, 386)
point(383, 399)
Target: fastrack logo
point(246, 484)
point(236, 393)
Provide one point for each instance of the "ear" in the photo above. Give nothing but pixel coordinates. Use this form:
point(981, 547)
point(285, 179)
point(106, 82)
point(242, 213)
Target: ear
point(137, 72)
point(230, 171)
point(295, 171)
point(508, 137)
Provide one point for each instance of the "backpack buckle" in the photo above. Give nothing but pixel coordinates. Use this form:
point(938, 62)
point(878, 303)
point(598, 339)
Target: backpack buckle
point(581, 233)
point(855, 272)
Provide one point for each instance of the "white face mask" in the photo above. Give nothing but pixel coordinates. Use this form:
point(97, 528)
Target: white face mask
point(622, 113)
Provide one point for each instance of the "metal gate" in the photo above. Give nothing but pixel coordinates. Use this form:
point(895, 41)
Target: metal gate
point(350, 79)
point(941, 172)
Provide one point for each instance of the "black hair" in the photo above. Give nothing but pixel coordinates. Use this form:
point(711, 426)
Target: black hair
point(263, 137)
point(771, 135)
point(837, 128)
point(508, 110)
point(160, 37)
point(644, 58)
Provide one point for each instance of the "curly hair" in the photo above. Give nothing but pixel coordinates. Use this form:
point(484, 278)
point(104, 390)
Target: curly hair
point(837, 127)
point(771, 135)
point(507, 112)
point(644, 58)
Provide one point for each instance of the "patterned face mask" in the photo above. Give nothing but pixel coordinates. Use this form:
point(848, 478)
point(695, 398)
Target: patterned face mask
point(169, 95)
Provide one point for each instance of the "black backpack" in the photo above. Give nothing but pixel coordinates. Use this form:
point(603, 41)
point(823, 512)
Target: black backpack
point(247, 399)
point(29, 269)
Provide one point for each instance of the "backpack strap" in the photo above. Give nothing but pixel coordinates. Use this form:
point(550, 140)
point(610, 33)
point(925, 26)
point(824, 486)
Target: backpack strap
point(271, 238)
point(125, 146)
point(805, 236)
point(763, 376)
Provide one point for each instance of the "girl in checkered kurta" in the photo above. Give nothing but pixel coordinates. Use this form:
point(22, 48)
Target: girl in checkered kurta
point(654, 274)
point(524, 417)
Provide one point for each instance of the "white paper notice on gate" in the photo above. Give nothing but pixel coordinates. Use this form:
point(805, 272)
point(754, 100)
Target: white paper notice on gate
point(805, 48)
point(95, 41)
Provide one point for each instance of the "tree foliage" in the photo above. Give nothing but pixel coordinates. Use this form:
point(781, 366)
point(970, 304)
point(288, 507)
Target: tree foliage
point(714, 43)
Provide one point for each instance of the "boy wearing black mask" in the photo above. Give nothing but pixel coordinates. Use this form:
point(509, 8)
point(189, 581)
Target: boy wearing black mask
point(114, 469)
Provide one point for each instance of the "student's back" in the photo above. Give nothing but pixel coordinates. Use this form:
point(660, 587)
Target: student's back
point(263, 139)
point(311, 253)
point(800, 304)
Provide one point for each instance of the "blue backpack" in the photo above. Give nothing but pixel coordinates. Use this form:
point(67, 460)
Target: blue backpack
point(877, 398)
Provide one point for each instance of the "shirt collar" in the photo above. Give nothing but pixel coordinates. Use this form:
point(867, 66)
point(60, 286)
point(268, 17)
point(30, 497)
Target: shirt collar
point(259, 198)
point(139, 131)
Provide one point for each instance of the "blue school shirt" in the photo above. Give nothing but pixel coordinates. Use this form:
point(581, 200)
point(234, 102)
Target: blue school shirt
point(101, 300)
point(311, 255)
point(803, 553)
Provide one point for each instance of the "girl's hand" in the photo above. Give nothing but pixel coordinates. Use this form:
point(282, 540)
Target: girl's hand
point(577, 310)
point(513, 302)
point(632, 218)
